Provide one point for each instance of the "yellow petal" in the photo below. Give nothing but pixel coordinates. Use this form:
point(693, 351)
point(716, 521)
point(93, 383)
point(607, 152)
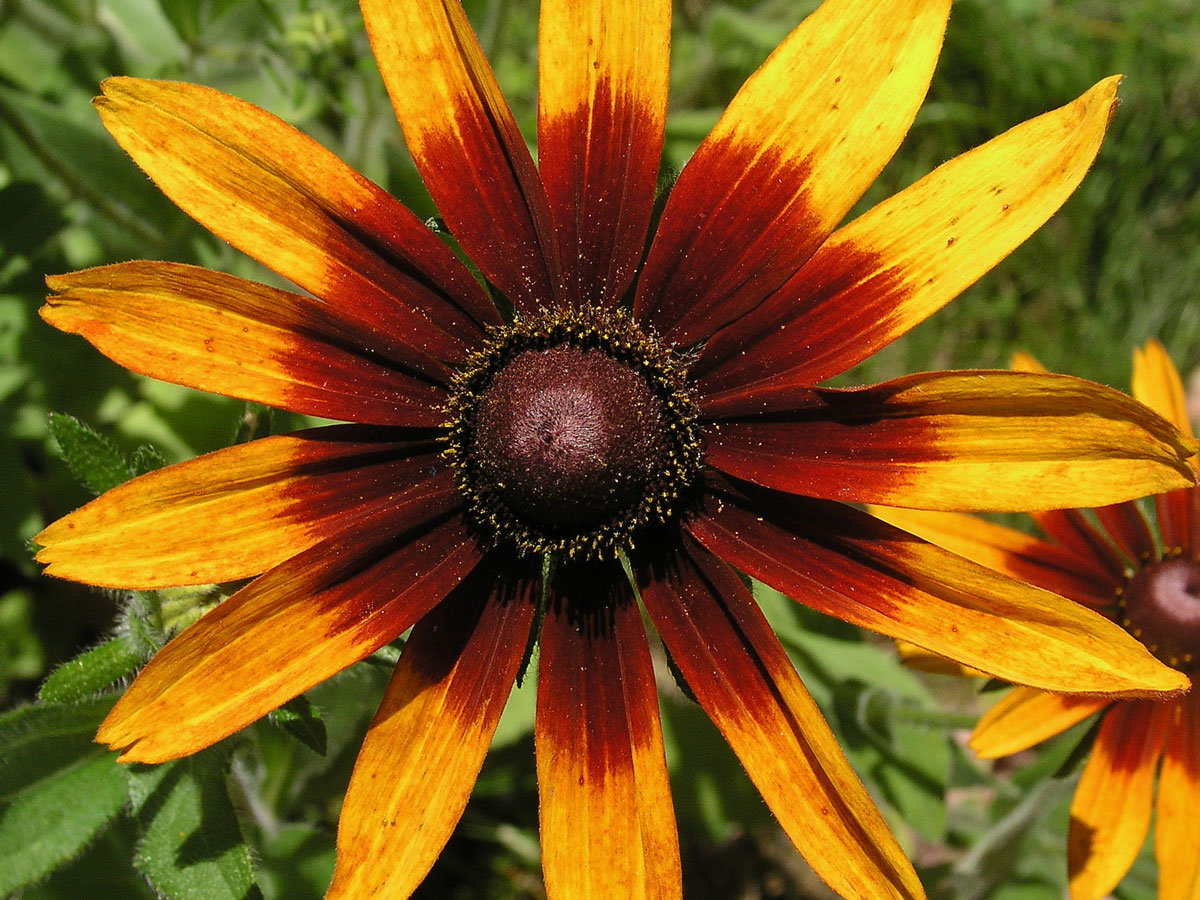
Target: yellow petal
point(295, 626)
point(1177, 839)
point(607, 824)
point(897, 264)
point(240, 511)
point(1110, 814)
point(427, 743)
point(799, 144)
point(1025, 717)
point(732, 661)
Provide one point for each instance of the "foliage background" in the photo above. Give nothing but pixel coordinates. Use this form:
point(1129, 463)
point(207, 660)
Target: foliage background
point(1118, 265)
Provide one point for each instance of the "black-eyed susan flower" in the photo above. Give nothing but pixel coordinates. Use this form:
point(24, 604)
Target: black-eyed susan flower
point(1148, 581)
point(600, 428)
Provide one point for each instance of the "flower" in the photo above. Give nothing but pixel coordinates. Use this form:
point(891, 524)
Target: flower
point(1150, 585)
point(612, 432)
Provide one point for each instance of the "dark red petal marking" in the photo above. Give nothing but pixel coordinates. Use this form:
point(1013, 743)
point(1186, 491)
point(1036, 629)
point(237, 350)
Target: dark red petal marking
point(1127, 527)
point(239, 511)
point(808, 330)
point(1072, 530)
point(847, 564)
point(796, 148)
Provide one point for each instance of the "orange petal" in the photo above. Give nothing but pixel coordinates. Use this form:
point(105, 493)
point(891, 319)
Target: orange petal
point(298, 624)
point(1156, 383)
point(602, 105)
point(1177, 839)
point(1025, 717)
point(732, 661)
point(896, 265)
point(800, 143)
point(279, 196)
point(850, 565)
point(222, 334)
point(607, 823)
point(1110, 814)
point(424, 750)
point(240, 511)
point(466, 144)
point(1007, 550)
point(966, 441)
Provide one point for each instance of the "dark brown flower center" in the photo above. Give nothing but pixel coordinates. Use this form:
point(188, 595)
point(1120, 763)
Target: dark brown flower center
point(1160, 606)
point(568, 436)
point(571, 433)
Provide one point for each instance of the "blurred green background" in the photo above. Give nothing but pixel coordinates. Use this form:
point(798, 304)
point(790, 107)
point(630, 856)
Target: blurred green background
point(1119, 264)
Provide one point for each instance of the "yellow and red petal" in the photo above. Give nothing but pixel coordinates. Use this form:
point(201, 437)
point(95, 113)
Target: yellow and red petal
point(240, 511)
point(305, 620)
point(967, 441)
point(734, 664)
point(850, 565)
point(1176, 837)
point(1026, 717)
point(466, 144)
point(799, 144)
point(1023, 556)
point(427, 743)
point(607, 823)
point(282, 198)
point(223, 334)
point(602, 107)
point(906, 258)
point(1110, 815)
point(1156, 383)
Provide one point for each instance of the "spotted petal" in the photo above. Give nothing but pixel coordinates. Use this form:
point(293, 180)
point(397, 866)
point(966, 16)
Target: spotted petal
point(732, 661)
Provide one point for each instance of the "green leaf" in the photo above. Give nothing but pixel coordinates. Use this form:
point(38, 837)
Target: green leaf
point(90, 456)
point(299, 718)
point(37, 741)
point(58, 789)
point(191, 846)
point(90, 672)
